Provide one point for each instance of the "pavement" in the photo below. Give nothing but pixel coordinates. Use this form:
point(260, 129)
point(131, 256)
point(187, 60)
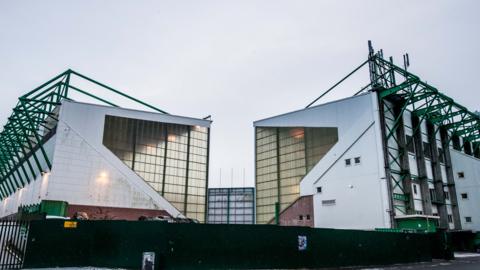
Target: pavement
point(463, 261)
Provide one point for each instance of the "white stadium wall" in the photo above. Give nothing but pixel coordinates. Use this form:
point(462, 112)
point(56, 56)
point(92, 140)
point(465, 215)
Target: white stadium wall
point(352, 196)
point(85, 172)
point(466, 171)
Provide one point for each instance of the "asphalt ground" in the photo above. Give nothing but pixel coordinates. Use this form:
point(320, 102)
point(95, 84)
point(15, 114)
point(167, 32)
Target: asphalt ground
point(463, 261)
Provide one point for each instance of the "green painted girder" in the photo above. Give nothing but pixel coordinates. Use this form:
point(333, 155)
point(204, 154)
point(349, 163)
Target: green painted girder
point(442, 118)
point(466, 119)
point(466, 130)
point(431, 108)
point(387, 92)
point(472, 138)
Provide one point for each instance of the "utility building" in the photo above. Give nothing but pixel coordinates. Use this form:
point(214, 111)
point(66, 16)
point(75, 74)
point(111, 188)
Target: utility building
point(231, 205)
point(104, 160)
point(397, 155)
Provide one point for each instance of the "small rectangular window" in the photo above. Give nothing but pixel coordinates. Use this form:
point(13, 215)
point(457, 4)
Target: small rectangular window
point(319, 189)
point(450, 218)
point(468, 219)
point(433, 195)
point(414, 189)
point(441, 155)
point(427, 152)
point(308, 217)
point(461, 175)
point(456, 142)
point(464, 195)
point(409, 144)
point(467, 148)
point(348, 162)
point(300, 217)
point(419, 212)
point(357, 160)
point(447, 195)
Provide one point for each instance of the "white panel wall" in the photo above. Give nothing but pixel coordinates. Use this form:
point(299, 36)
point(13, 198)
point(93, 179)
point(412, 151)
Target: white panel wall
point(84, 171)
point(470, 185)
point(360, 192)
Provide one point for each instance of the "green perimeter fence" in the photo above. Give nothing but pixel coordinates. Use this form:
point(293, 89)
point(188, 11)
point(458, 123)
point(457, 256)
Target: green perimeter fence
point(121, 244)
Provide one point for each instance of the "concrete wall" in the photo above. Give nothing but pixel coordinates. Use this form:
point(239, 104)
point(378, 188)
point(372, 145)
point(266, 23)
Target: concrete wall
point(359, 191)
point(85, 172)
point(470, 185)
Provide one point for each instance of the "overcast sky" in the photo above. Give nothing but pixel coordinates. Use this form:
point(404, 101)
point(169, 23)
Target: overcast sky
point(238, 61)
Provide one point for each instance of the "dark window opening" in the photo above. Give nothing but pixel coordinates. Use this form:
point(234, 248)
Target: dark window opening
point(319, 189)
point(409, 144)
point(415, 189)
point(300, 217)
point(441, 155)
point(467, 148)
point(456, 142)
point(468, 219)
point(464, 195)
point(348, 162)
point(450, 218)
point(461, 175)
point(427, 152)
point(476, 150)
point(308, 217)
point(447, 195)
point(433, 195)
point(357, 160)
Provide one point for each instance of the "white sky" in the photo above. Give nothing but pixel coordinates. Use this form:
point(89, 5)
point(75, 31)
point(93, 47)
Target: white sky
point(239, 61)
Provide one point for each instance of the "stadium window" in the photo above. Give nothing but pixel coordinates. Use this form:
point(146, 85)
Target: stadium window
point(348, 162)
point(319, 189)
point(308, 217)
point(467, 148)
point(450, 218)
point(409, 144)
point(468, 219)
point(456, 142)
point(464, 196)
point(427, 152)
point(461, 175)
point(414, 189)
point(300, 217)
point(357, 160)
point(447, 195)
point(441, 155)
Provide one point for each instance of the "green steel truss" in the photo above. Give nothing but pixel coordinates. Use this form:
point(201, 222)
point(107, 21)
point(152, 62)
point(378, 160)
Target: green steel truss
point(33, 121)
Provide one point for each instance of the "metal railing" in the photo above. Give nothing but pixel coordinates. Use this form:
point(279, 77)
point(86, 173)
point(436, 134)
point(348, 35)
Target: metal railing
point(13, 243)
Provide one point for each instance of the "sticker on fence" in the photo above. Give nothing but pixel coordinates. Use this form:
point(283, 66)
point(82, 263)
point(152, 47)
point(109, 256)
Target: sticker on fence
point(148, 261)
point(302, 242)
point(70, 224)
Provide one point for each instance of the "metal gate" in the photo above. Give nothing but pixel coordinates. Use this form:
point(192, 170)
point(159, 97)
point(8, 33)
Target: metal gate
point(13, 243)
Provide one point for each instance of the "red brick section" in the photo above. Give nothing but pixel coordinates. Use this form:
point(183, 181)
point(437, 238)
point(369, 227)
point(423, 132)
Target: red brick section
point(113, 213)
point(299, 213)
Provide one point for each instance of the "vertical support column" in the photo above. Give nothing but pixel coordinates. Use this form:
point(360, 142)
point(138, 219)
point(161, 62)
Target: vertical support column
point(187, 171)
point(388, 175)
point(437, 177)
point(278, 169)
point(207, 172)
point(421, 166)
point(403, 155)
point(450, 180)
point(165, 160)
